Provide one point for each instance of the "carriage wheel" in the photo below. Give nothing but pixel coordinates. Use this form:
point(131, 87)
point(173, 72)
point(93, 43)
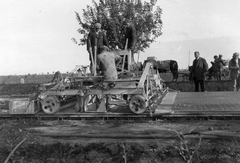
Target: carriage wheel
point(50, 105)
point(137, 104)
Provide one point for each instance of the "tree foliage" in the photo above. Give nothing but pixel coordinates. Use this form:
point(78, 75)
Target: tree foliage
point(111, 14)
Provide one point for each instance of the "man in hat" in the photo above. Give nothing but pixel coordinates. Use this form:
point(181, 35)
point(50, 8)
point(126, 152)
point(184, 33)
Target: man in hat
point(95, 41)
point(215, 58)
point(220, 59)
point(234, 67)
point(221, 65)
point(214, 63)
point(130, 35)
point(198, 71)
point(130, 38)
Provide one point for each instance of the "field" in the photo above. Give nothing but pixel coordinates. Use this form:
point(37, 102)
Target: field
point(105, 141)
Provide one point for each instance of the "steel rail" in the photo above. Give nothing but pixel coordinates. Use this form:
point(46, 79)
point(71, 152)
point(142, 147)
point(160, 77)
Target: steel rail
point(108, 115)
point(83, 115)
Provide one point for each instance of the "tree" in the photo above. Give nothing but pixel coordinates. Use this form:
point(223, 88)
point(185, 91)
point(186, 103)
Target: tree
point(112, 13)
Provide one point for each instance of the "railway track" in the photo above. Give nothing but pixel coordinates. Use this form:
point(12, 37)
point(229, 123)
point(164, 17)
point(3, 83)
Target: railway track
point(123, 116)
point(171, 106)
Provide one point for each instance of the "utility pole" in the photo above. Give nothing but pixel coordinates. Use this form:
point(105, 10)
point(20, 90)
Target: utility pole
point(189, 59)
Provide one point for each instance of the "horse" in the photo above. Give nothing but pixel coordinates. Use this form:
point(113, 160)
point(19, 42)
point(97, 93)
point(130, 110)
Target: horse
point(165, 66)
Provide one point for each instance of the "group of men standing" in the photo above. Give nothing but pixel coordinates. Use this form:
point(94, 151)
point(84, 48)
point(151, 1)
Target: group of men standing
point(200, 68)
point(218, 62)
point(217, 67)
point(97, 39)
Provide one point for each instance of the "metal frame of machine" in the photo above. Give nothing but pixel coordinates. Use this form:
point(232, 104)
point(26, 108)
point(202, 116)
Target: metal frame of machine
point(94, 91)
point(139, 91)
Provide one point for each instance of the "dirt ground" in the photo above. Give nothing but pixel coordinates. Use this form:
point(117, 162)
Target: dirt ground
point(119, 141)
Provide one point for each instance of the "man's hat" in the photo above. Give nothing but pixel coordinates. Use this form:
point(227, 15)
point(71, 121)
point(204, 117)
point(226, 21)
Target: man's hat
point(98, 25)
point(236, 54)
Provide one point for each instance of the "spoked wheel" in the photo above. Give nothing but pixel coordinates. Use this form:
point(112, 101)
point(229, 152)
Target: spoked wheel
point(137, 104)
point(50, 105)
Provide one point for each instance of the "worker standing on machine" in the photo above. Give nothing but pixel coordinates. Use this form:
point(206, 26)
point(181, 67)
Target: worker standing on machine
point(130, 40)
point(95, 41)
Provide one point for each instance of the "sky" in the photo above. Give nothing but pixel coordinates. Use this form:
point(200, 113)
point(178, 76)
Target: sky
point(35, 36)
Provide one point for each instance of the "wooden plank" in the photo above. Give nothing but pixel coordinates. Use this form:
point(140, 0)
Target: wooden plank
point(144, 75)
point(168, 100)
point(61, 93)
point(120, 90)
point(123, 91)
point(126, 85)
point(122, 80)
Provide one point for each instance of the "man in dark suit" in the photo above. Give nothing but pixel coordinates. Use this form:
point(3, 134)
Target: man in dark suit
point(130, 40)
point(130, 35)
point(98, 39)
point(198, 71)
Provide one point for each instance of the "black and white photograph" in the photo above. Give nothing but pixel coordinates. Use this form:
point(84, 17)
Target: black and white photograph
point(120, 81)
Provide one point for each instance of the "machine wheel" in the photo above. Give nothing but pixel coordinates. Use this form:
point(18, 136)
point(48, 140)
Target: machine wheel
point(137, 104)
point(50, 105)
